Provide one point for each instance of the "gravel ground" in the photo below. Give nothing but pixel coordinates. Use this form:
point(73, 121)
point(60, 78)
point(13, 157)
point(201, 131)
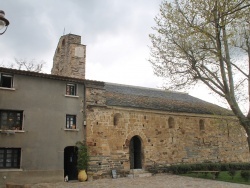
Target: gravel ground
point(157, 181)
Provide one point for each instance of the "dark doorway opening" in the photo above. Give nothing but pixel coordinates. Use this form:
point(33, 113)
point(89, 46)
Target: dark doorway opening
point(135, 153)
point(70, 162)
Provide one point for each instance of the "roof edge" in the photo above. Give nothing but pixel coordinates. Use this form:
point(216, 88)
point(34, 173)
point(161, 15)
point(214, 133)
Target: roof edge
point(142, 87)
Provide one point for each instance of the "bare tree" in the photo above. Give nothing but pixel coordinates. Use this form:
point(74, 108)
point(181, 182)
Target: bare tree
point(208, 42)
point(24, 64)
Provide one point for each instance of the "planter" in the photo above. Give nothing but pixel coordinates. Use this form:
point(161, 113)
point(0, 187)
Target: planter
point(82, 161)
point(82, 176)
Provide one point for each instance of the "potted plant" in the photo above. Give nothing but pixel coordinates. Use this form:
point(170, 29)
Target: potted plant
point(82, 161)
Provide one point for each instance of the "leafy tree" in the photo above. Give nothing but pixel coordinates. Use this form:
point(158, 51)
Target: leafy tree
point(208, 42)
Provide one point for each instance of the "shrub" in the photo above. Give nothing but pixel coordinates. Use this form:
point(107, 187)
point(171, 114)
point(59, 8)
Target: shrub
point(82, 156)
point(180, 169)
point(245, 174)
point(224, 167)
point(208, 166)
point(232, 173)
point(217, 175)
point(216, 166)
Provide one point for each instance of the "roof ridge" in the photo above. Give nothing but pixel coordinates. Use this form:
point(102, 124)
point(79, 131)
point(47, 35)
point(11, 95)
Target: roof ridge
point(143, 87)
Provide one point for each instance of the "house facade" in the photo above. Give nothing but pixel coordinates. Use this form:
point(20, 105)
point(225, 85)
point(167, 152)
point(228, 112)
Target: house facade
point(42, 116)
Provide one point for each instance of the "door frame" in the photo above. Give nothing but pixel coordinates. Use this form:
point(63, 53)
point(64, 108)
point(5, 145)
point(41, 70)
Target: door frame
point(136, 157)
point(70, 162)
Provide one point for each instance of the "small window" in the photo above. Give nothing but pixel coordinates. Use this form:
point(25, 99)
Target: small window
point(202, 125)
point(11, 120)
point(6, 80)
point(63, 42)
point(70, 121)
point(171, 122)
point(117, 118)
point(71, 89)
point(10, 158)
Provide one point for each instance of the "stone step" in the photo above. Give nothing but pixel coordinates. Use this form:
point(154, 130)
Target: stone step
point(147, 174)
point(139, 173)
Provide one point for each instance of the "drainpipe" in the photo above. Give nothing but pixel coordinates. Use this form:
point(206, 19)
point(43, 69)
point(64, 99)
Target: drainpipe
point(84, 115)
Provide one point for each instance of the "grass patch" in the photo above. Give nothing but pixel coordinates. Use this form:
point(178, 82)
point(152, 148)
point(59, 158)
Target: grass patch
point(223, 176)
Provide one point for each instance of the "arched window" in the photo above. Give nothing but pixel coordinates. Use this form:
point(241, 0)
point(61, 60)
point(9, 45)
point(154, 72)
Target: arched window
point(202, 125)
point(171, 122)
point(117, 118)
point(63, 42)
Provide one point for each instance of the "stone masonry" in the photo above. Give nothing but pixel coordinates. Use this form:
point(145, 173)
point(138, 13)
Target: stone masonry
point(221, 139)
point(154, 128)
point(70, 56)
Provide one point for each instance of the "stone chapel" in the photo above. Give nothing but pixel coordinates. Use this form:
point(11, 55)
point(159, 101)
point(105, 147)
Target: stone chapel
point(127, 129)
point(130, 127)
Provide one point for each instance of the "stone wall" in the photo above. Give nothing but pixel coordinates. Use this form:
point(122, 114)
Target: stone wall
point(70, 57)
point(165, 138)
point(221, 140)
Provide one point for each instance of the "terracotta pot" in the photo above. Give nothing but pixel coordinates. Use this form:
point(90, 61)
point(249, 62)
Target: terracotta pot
point(82, 175)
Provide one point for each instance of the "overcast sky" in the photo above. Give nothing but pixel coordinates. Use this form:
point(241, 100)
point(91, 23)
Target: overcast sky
point(115, 32)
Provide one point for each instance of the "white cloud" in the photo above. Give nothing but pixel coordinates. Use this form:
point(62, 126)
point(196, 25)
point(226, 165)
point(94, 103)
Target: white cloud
point(115, 32)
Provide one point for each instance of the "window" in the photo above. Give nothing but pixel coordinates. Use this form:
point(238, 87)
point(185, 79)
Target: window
point(117, 118)
point(201, 124)
point(171, 122)
point(63, 42)
point(6, 80)
point(71, 89)
point(11, 120)
point(70, 122)
point(10, 157)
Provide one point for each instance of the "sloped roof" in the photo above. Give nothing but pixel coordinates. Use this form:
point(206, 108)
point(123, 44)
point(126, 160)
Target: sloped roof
point(140, 97)
point(49, 76)
point(156, 99)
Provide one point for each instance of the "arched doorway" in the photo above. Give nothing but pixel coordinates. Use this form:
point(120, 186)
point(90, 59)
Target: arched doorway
point(135, 152)
point(70, 162)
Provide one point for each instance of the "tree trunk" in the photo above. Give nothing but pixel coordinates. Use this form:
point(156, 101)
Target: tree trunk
point(245, 122)
point(248, 138)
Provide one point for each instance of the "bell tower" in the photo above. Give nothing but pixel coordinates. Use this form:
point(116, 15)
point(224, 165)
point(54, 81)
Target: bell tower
point(70, 57)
